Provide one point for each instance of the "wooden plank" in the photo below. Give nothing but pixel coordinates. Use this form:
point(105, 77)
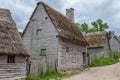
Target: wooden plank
point(10, 70)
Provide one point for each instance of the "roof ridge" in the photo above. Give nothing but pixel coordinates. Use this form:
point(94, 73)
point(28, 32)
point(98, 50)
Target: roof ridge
point(41, 2)
point(44, 4)
point(72, 30)
point(66, 28)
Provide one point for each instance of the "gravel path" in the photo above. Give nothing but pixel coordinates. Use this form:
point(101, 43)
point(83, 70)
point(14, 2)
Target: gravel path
point(111, 72)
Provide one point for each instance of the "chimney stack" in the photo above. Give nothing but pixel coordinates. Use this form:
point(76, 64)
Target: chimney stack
point(70, 14)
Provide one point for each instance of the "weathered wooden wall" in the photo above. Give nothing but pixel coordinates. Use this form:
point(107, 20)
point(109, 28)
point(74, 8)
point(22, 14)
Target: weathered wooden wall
point(12, 70)
point(73, 59)
point(96, 52)
point(44, 39)
point(101, 49)
point(114, 43)
point(42, 65)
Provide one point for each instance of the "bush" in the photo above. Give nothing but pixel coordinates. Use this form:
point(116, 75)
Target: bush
point(103, 62)
point(117, 56)
point(53, 75)
point(32, 77)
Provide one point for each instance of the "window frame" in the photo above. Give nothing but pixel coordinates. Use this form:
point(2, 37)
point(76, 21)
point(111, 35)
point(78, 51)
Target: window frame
point(41, 52)
point(38, 31)
point(67, 49)
point(10, 58)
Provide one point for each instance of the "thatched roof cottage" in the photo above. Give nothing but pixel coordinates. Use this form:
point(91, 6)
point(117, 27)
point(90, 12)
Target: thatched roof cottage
point(98, 44)
point(53, 37)
point(102, 44)
point(13, 52)
point(114, 42)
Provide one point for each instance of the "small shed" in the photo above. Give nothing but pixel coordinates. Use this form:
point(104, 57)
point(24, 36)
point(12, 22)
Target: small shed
point(98, 44)
point(13, 53)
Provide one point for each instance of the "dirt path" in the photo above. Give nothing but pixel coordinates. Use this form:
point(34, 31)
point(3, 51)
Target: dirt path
point(111, 72)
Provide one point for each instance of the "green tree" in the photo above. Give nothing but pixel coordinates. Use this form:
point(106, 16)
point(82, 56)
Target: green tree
point(20, 33)
point(91, 30)
point(98, 25)
point(83, 27)
point(79, 26)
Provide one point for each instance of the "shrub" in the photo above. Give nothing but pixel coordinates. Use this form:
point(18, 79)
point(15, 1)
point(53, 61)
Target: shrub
point(88, 54)
point(103, 62)
point(32, 77)
point(53, 75)
point(116, 56)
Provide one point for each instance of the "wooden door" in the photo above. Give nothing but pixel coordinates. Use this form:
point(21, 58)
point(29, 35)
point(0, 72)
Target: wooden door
point(84, 57)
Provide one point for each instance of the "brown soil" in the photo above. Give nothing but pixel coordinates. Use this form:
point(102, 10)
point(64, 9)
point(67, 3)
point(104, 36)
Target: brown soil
point(111, 72)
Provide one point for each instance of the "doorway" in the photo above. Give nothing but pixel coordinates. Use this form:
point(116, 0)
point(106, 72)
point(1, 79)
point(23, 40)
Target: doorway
point(84, 57)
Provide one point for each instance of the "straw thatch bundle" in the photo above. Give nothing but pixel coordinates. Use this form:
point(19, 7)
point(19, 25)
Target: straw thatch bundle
point(96, 39)
point(10, 40)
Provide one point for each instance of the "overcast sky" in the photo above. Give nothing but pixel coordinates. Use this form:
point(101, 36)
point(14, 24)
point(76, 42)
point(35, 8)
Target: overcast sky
point(85, 10)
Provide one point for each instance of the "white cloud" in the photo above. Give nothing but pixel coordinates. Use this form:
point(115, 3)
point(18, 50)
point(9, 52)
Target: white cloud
point(85, 10)
point(21, 10)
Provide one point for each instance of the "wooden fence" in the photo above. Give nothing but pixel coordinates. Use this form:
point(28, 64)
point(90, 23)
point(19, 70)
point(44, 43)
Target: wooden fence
point(41, 66)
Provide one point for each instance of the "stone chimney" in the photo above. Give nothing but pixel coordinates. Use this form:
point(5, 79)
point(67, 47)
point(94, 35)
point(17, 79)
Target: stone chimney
point(70, 14)
point(5, 15)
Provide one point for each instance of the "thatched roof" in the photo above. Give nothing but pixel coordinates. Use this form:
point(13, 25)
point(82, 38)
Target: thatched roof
point(10, 40)
point(96, 39)
point(66, 28)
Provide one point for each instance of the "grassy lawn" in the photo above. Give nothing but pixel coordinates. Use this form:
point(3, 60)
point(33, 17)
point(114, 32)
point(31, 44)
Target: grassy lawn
point(52, 75)
point(103, 62)
point(106, 61)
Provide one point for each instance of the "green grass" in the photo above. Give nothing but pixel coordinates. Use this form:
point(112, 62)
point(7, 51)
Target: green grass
point(47, 76)
point(117, 56)
point(103, 62)
point(51, 75)
point(69, 73)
